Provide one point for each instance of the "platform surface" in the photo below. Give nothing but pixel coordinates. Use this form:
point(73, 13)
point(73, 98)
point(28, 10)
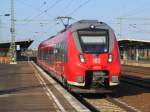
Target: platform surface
point(21, 90)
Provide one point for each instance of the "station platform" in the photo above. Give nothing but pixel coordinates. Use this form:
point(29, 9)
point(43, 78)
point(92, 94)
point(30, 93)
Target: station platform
point(24, 88)
point(136, 63)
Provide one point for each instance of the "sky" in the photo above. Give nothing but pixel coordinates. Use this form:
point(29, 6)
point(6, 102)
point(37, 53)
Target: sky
point(35, 19)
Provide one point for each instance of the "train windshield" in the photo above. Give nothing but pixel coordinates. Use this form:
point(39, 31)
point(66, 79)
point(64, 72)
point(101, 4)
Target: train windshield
point(94, 41)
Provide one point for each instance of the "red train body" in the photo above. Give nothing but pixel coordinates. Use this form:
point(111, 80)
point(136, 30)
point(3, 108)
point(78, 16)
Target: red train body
point(84, 57)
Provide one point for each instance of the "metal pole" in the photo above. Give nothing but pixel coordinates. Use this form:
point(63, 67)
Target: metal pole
point(1, 39)
point(1, 28)
point(120, 27)
point(12, 30)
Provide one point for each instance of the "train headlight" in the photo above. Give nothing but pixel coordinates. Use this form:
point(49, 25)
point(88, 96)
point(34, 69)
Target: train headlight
point(82, 59)
point(92, 26)
point(110, 58)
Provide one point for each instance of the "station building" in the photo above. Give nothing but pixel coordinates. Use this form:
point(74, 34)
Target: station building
point(21, 47)
point(134, 50)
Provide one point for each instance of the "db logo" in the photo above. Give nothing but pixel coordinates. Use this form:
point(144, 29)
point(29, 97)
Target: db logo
point(96, 60)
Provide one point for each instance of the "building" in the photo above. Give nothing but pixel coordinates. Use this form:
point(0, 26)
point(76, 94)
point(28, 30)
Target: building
point(137, 50)
point(21, 47)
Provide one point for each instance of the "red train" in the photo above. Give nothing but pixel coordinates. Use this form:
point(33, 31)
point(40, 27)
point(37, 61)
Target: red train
point(84, 57)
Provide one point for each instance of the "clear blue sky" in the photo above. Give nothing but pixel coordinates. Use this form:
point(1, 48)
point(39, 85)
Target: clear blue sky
point(35, 18)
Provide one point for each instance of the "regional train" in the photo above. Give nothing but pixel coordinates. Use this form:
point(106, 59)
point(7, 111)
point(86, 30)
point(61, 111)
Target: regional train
point(84, 57)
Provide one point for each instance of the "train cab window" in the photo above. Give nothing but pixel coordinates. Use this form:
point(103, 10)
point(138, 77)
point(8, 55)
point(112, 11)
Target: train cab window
point(94, 41)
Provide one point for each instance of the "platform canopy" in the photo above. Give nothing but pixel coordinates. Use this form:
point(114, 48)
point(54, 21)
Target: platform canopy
point(133, 43)
point(21, 47)
point(132, 49)
point(23, 44)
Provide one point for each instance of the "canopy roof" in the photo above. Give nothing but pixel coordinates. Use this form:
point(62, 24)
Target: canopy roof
point(128, 43)
point(23, 44)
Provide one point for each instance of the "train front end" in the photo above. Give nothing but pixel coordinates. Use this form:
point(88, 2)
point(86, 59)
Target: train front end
point(93, 58)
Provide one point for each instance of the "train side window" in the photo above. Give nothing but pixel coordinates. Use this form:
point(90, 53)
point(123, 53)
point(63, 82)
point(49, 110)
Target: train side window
point(50, 57)
point(55, 51)
point(62, 55)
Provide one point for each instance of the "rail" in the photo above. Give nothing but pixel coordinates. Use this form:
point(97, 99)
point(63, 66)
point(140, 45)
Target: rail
point(136, 81)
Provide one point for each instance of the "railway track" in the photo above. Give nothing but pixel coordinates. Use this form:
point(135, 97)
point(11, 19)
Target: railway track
point(107, 103)
point(104, 103)
point(136, 81)
point(111, 104)
point(136, 71)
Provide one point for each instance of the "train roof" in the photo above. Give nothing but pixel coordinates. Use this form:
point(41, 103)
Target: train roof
point(83, 24)
point(88, 23)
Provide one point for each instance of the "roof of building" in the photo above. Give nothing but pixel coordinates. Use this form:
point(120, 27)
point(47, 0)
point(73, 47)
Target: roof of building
point(23, 44)
point(126, 43)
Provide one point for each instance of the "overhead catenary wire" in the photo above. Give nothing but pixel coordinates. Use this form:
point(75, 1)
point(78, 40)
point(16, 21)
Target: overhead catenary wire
point(53, 5)
point(137, 19)
point(122, 19)
point(46, 10)
point(32, 7)
point(45, 2)
point(41, 12)
point(29, 5)
point(137, 12)
point(22, 2)
point(27, 19)
point(67, 6)
point(79, 7)
point(140, 30)
point(133, 13)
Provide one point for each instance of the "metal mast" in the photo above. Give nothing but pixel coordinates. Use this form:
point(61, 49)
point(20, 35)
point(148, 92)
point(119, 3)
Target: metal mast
point(1, 29)
point(1, 39)
point(120, 27)
point(12, 30)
